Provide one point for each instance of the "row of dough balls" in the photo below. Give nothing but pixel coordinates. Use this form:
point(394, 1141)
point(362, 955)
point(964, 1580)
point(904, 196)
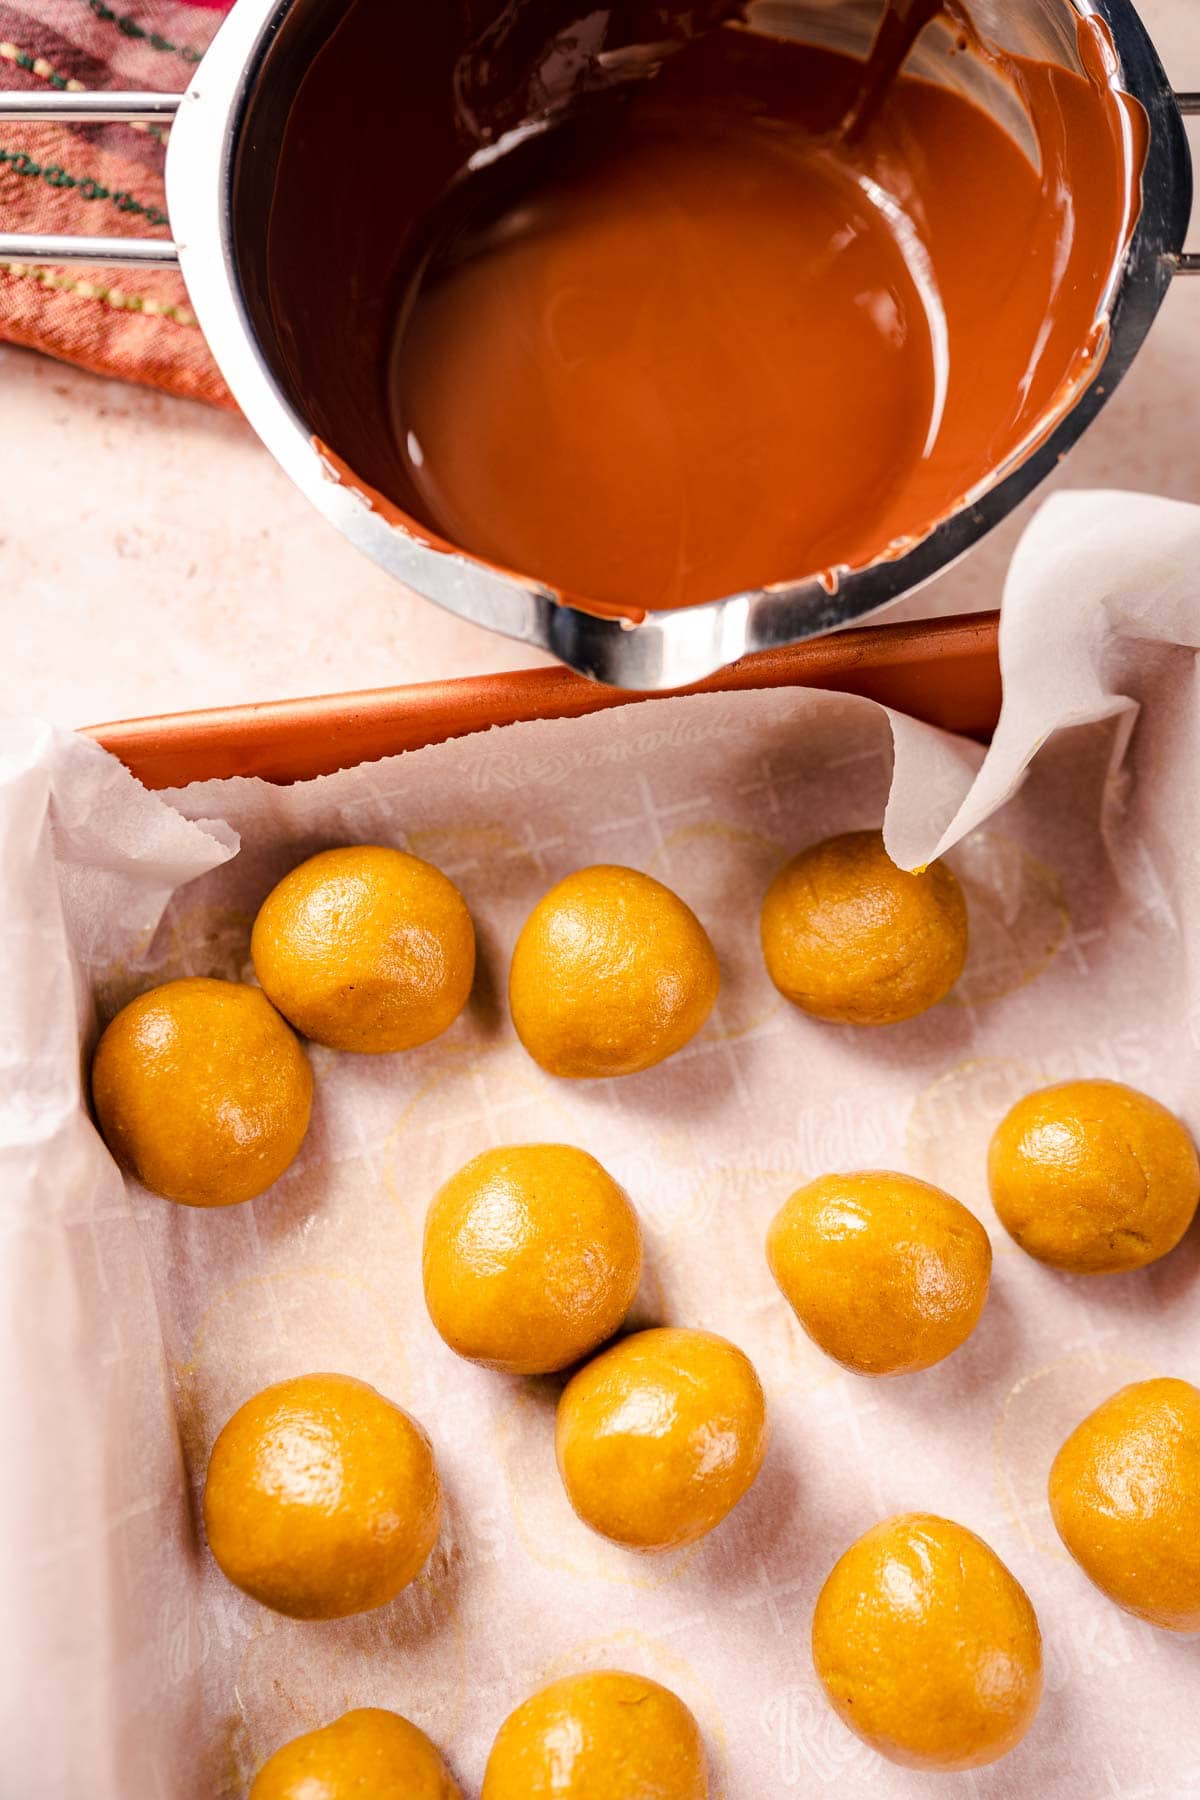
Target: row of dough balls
point(203, 1091)
point(322, 1499)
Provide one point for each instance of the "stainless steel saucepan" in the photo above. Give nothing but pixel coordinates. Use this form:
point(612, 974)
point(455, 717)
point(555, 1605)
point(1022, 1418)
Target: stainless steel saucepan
point(301, 359)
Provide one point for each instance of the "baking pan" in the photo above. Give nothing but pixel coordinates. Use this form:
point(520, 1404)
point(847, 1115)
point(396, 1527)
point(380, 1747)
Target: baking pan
point(944, 671)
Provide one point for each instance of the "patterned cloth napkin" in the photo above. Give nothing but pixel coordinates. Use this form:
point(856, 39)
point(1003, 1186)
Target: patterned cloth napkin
point(100, 180)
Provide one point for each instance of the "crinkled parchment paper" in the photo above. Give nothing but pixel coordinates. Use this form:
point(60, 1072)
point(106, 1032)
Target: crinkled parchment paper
point(132, 1328)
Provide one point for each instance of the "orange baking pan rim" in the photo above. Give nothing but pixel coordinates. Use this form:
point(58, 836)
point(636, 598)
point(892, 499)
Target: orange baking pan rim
point(944, 671)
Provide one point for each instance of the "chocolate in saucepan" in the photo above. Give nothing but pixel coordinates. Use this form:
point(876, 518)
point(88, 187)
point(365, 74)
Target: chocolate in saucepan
point(770, 314)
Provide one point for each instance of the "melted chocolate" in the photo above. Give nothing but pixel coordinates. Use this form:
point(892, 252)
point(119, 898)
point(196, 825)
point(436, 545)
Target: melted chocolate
point(770, 314)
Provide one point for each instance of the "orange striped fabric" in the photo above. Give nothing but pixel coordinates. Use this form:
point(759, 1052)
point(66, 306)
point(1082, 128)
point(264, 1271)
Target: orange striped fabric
point(102, 180)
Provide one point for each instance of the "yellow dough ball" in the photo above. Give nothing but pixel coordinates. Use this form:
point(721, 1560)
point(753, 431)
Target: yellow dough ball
point(366, 949)
point(202, 1091)
point(848, 936)
point(887, 1274)
point(659, 1437)
point(532, 1258)
point(322, 1498)
point(608, 1736)
point(611, 974)
point(1093, 1176)
point(368, 1754)
point(1125, 1495)
point(927, 1647)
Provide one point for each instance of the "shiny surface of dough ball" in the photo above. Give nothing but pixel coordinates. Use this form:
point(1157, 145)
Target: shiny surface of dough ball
point(660, 1436)
point(322, 1498)
point(202, 1091)
point(927, 1647)
point(848, 936)
point(606, 1736)
point(368, 1754)
point(366, 948)
point(611, 974)
point(532, 1258)
point(885, 1273)
point(1125, 1495)
point(1093, 1176)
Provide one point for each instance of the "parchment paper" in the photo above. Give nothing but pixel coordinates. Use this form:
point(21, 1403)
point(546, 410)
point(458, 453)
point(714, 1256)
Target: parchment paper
point(133, 1328)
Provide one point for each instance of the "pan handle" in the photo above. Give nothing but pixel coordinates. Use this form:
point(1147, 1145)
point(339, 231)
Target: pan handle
point(1189, 260)
point(100, 108)
point(88, 108)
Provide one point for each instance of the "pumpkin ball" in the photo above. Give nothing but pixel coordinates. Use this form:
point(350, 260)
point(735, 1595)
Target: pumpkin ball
point(1093, 1177)
point(849, 936)
point(366, 948)
point(927, 1647)
point(606, 1736)
point(367, 1754)
point(322, 1498)
point(1125, 1497)
point(885, 1273)
point(532, 1258)
point(611, 974)
point(202, 1091)
point(660, 1436)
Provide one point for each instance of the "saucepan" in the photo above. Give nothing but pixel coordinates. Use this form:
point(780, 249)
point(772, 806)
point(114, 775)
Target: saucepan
point(288, 252)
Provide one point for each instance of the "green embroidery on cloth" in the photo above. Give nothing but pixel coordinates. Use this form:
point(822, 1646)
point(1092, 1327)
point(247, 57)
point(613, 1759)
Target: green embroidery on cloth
point(29, 63)
point(117, 298)
point(55, 176)
point(131, 29)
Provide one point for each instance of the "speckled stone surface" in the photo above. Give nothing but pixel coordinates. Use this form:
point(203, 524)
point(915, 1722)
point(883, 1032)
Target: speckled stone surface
point(154, 558)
